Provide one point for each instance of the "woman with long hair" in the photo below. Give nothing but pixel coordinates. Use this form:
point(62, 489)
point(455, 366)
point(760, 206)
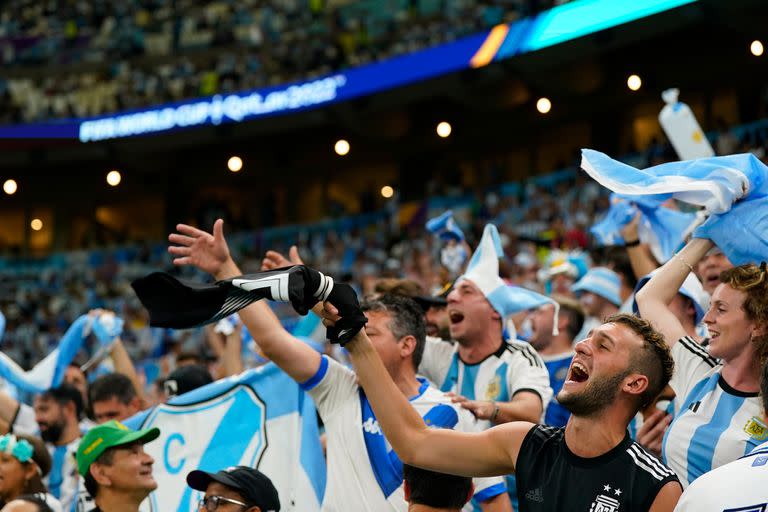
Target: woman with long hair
point(718, 415)
point(24, 461)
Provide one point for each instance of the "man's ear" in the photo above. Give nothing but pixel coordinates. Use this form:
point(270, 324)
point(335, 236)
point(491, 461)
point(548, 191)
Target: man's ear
point(406, 491)
point(135, 404)
point(99, 473)
point(635, 384)
point(407, 346)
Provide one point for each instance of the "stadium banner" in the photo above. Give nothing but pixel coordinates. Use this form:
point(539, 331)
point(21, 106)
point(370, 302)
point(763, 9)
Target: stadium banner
point(556, 25)
point(260, 418)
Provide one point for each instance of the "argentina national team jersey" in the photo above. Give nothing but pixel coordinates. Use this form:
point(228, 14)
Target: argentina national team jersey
point(514, 367)
point(557, 365)
point(364, 473)
point(714, 424)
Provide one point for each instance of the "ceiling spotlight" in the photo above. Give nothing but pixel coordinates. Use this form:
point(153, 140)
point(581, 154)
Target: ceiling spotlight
point(444, 129)
point(36, 224)
point(543, 105)
point(341, 147)
point(756, 48)
point(387, 191)
point(235, 164)
point(114, 178)
point(634, 82)
point(10, 187)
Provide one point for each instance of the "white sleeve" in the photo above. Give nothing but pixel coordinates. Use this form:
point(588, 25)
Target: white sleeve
point(692, 363)
point(436, 360)
point(24, 422)
point(526, 372)
point(331, 386)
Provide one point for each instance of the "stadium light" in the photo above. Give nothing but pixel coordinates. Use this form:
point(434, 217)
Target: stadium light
point(444, 129)
point(235, 164)
point(387, 191)
point(341, 147)
point(756, 48)
point(114, 178)
point(543, 105)
point(36, 224)
point(10, 187)
point(634, 83)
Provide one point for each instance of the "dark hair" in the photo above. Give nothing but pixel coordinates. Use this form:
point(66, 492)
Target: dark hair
point(573, 312)
point(112, 385)
point(654, 360)
point(617, 259)
point(42, 458)
point(753, 281)
point(437, 489)
point(64, 394)
point(91, 485)
point(406, 318)
point(42, 505)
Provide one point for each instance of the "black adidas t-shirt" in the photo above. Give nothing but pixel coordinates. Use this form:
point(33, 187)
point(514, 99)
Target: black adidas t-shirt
point(551, 478)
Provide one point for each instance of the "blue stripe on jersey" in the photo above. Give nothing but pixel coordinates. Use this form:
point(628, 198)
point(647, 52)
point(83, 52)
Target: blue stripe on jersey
point(698, 391)
point(452, 376)
point(56, 476)
point(701, 451)
point(490, 492)
point(386, 465)
point(501, 373)
point(468, 381)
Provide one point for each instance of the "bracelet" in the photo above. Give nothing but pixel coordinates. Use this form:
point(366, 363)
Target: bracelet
point(495, 413)
point(681, 260)
point(633, 243)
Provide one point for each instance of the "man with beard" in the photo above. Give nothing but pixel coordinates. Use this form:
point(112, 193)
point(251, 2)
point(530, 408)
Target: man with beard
point(436, 313)
point(556, 349)
point(58, 412)
point(590, 464)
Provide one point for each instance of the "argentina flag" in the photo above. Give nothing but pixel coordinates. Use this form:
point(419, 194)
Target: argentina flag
point(49, 372)
point(260, 418)
point(663, 229)
point(733, 191)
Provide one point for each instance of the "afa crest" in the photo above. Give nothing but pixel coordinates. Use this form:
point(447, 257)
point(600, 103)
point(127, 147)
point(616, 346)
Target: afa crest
point(756, 429)
point(494, 388)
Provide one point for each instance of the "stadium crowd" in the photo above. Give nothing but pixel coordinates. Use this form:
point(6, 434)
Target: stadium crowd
point(112, 56)
point(631, 377)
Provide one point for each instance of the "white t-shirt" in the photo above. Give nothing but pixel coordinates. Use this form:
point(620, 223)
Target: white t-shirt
point(364, 473)
point(740, 485)
point(515, 367)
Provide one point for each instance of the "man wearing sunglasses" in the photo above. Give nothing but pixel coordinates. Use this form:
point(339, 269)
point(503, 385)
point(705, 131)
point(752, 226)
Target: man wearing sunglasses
point(235, 489)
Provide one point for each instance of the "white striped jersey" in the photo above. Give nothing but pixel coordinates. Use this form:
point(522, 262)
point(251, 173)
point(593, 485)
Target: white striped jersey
point(514, 367)
point(713, 424)
point(364, 472)
point(741, 485)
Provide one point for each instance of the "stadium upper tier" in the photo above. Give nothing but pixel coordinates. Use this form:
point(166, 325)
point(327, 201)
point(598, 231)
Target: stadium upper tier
point(106, 56)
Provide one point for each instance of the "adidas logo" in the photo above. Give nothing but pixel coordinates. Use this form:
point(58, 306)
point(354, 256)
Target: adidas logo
point(371, 426)
point(535, 495)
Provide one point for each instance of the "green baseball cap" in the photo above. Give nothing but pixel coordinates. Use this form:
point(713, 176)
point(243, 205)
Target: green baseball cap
point(109, 435)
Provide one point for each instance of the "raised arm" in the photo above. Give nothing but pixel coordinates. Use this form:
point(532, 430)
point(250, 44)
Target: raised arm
point(640, 257)
point(209, 252)
point(654, 298)
point(489, 453)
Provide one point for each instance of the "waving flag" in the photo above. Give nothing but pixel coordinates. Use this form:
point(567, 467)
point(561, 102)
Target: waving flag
point(49, 372)
point(445, 227)
point(663, 229)
point(733, 190)
point(260, 419)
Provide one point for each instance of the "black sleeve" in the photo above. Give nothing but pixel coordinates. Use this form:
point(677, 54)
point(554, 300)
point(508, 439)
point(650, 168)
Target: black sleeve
point(655, 490)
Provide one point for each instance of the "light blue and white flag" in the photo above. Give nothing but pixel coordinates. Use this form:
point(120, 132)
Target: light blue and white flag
point(49, 372)
point(733, 190)
point(663, 229)
point(260, 418)
point(2, 325)
point(445, 227)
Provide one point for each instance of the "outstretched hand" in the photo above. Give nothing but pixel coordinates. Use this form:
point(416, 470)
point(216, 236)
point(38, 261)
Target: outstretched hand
point(207, 251)
point(274, 259)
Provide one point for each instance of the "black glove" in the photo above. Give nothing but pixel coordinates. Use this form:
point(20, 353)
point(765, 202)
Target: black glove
point(344, 298)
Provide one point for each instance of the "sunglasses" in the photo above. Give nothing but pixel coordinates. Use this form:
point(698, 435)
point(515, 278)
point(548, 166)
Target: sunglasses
point(211, 503)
